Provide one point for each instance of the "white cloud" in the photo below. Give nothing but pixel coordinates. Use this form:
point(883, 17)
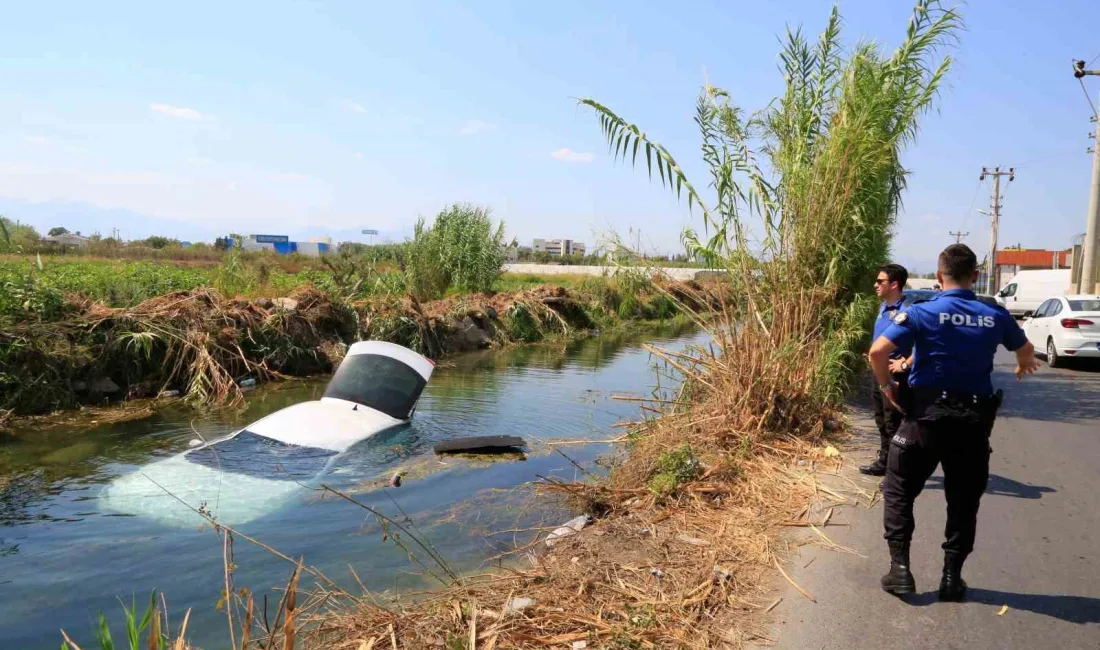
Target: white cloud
point(51, 143)
point(357, 154)
point(179, 112)
point(353, 106)
point(473, 127)
point(568, 155)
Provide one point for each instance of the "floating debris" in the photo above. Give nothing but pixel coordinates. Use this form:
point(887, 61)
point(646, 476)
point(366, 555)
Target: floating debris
point(480, 444)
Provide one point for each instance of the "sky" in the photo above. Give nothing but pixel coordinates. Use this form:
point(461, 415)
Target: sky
point(196, 119)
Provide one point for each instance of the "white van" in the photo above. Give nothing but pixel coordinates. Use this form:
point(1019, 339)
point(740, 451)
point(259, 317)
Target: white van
point(1029, 289)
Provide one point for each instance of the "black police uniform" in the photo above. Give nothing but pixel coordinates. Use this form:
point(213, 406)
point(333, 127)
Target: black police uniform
point(949, 416)
point(886, 418)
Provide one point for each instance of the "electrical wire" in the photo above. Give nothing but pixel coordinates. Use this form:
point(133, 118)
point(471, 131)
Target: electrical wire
point(970, 210)
point(1087, 97)
point(1094, 60)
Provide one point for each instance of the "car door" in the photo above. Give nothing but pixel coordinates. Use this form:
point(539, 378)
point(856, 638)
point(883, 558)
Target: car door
point(1008, 297)
point(1054, 325)
point(1037, 325)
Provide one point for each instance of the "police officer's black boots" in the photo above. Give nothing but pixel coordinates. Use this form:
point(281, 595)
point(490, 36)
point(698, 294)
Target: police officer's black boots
point(952, 586)
point(877, 468)
point(899, 580)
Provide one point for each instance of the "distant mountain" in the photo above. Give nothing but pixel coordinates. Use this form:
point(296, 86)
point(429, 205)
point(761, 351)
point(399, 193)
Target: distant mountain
point(88, 218)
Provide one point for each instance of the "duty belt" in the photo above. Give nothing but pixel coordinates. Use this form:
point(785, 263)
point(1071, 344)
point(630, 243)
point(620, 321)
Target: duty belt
point(933, 403)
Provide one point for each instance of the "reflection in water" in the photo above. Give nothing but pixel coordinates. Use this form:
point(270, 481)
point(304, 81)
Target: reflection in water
point(64, 555)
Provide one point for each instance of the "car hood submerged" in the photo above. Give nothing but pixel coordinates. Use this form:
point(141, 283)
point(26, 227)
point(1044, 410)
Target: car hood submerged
point(251, 472)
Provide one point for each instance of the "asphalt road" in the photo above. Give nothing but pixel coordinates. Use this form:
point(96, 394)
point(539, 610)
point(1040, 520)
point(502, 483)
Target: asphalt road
point(1036, 551)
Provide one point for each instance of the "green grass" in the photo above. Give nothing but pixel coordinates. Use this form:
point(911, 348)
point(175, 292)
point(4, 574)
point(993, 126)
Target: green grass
point(26, 288)
point(119, 283)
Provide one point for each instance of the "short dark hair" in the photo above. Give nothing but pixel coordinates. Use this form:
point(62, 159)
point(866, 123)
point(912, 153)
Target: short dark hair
point(958, 262)
point(895, 273)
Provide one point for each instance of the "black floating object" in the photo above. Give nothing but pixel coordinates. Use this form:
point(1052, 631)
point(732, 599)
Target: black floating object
point(479, 444)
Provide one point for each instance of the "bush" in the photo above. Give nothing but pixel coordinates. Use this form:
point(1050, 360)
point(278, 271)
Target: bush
point(460, 251)
point(16, 238)
point(675, 467)
point(24, 296)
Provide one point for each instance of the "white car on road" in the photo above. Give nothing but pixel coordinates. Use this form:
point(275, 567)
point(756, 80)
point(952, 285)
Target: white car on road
point(1067, 326)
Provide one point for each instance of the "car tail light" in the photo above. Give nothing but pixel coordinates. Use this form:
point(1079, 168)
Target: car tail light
point(1074, 323)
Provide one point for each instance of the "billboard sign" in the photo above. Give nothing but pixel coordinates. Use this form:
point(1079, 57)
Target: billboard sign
point(271, 239)
point(370, 232)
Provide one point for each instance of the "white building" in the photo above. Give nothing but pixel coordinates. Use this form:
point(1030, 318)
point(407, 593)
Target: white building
point(558, 247)
point(68, 239)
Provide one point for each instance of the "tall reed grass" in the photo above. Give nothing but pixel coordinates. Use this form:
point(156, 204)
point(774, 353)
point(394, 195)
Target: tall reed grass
point(805, 193)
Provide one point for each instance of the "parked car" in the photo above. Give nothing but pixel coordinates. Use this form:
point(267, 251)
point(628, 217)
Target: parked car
point(913, 295)
point(1027, 290)
point(1066, 326)
point(255, 470)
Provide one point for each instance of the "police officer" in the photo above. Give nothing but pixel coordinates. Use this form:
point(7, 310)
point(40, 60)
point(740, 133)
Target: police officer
point(888, 287)
point(948, 414)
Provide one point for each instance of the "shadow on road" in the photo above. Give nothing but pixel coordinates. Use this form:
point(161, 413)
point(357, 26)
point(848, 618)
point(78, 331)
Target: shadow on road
point(1074, 609)
point(1001, 486)
point(1051, 397)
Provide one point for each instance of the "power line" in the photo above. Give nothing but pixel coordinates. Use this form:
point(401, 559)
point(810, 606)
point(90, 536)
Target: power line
point(1094, 60)
point(973, 200)
point(1086, 91)
point(959, 236)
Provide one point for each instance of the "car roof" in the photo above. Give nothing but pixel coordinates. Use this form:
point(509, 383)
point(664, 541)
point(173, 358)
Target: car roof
point(1081, 297)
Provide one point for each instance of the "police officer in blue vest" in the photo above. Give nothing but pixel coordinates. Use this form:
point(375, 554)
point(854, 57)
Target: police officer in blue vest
point(948, 414)
point(888, 287)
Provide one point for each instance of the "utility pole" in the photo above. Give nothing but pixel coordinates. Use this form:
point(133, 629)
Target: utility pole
point(1092, 223)
point(959, 236)
point(995, 219)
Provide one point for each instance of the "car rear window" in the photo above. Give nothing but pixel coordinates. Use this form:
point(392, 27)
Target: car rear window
point(1084, 305)
point(918, 294)
point(380, 382)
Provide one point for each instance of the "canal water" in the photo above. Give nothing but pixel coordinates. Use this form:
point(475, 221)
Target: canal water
point(68, 551)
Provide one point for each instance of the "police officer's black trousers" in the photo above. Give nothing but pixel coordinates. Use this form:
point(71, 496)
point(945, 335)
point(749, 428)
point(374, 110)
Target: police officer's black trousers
point(888, 419)
point(918, 447)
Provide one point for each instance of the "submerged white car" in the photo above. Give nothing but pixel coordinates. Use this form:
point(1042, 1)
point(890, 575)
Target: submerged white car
point(253, 471)
point(1066, 326)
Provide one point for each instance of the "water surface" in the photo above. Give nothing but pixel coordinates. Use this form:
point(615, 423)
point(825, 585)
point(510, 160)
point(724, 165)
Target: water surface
point(64, 555)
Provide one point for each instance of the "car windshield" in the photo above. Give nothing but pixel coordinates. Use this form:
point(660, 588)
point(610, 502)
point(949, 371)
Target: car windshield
point(380, 382)
point(253, 455)
point(1084, 305)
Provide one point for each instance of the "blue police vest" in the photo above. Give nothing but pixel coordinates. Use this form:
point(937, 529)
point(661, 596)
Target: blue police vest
point(954, 337)
point(886, 314)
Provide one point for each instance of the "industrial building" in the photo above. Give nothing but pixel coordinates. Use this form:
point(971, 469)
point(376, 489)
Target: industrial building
point(558, 247)
point(1011, 261)
point(281, 244)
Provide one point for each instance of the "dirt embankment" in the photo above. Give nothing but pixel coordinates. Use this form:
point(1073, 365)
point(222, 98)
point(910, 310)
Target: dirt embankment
point(200, 345)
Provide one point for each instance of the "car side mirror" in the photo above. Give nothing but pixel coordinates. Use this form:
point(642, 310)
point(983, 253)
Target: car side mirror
point(1028, 315)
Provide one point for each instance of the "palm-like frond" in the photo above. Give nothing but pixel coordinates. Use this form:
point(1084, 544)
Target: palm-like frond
point(626, 139)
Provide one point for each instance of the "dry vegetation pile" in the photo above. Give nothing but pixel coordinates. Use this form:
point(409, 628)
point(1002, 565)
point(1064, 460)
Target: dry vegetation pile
point(202, 345)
